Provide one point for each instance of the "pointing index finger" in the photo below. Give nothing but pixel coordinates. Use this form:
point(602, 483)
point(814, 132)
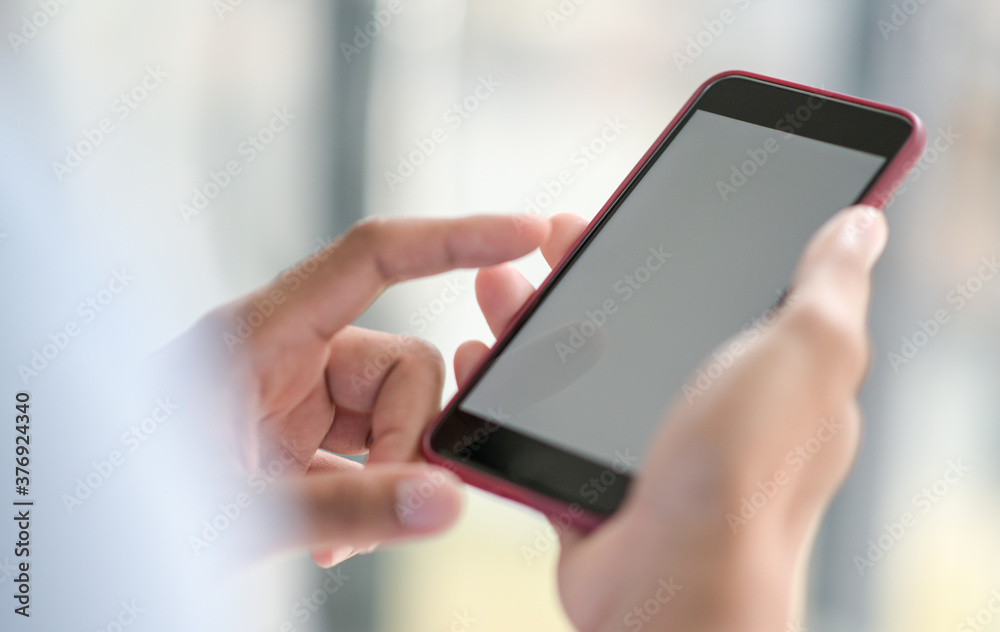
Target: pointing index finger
point(354, 270)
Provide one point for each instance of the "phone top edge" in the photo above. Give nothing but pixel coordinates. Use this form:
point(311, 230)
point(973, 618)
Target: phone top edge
point(880, 192)
point(914, 120)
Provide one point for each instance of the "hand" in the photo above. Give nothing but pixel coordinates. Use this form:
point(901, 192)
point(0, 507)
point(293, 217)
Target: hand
point(308, 383)
point(684, 552)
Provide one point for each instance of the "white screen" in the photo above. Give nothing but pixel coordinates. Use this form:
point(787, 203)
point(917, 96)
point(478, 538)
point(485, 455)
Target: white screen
point(705, 258)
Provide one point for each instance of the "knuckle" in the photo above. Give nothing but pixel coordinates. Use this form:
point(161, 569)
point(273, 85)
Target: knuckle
point(830, 332)
point(368, 239)
point(423, 349)
point(426, 354)
point(367, 232)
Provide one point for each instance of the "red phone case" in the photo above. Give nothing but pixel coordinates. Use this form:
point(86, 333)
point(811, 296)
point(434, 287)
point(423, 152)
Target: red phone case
point(575, 515)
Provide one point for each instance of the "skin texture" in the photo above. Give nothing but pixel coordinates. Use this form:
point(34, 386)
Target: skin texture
point(304, 385)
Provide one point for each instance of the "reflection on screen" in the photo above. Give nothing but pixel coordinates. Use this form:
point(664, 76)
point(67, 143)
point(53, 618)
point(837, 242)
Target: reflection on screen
point(704, 245)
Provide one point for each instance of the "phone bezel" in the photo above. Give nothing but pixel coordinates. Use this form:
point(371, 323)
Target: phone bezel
point(543, 476)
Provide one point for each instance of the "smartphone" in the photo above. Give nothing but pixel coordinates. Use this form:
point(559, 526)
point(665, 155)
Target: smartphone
point(697, 244)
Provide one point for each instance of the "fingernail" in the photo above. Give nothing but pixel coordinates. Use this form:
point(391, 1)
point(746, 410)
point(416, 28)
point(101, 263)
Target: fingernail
point(868, 229)
point(426, 502)
point(336, 557)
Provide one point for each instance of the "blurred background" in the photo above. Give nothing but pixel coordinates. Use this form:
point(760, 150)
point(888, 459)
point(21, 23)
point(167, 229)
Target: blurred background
point(451, 107)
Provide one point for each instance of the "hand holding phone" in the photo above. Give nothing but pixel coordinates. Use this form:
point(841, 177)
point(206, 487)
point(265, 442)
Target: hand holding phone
point(715, 527)
point(723, 491)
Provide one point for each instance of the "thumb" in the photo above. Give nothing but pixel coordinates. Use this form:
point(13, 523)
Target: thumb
point(359, 509)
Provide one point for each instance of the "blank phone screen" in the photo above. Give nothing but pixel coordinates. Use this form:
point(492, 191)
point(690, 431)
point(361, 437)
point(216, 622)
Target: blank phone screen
point(700, 250)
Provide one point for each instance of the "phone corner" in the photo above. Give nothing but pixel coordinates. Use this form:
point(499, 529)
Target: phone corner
point(734, 73)
point(919, 134)
point(882, 194)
